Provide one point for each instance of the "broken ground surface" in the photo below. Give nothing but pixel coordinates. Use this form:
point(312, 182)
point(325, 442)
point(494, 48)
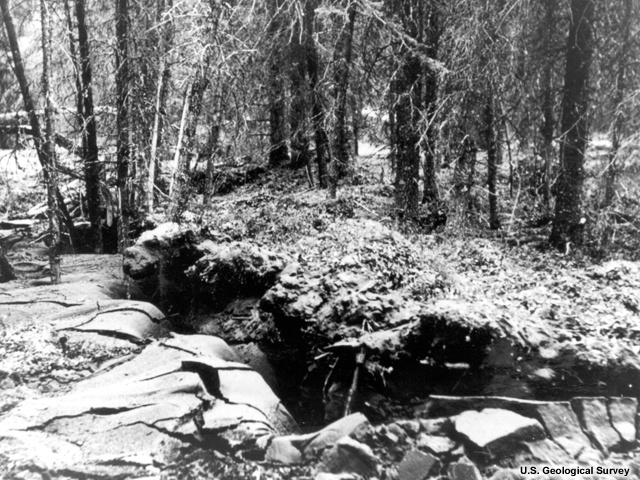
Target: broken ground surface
point(94, 385)
point(573, 311)
point(523, 344)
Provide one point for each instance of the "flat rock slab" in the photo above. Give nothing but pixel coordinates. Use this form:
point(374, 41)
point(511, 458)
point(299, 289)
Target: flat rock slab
point(134, 321)
point(60, 295)
point(623, 417)
point(463, 469)
point(493, 430)
point(564, 427)
point(416, 465)
point(139, 413)
point(449, 406)
point(60, 334)
point(594, 416)
point(349, 456)
point(435, 444)
point(293, 449)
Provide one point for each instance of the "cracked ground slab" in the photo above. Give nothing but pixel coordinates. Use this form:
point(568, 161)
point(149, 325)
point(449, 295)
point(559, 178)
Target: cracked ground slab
point(183, 391)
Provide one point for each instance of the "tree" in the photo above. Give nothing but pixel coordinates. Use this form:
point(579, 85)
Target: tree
point(92, 166)
point(491, 142)
point(44, 144)
point(568, 223)
point(318, 107)
point(122, 122)
point(278, 151)
point(342, 64)
point(300, 144)
point(490, 125)
point(77, 77)
point(431, 39)
point(407, 111)
point(163, 76)
point(617, 127)
point(547, 98)
point(185, 148)
point(48, 148)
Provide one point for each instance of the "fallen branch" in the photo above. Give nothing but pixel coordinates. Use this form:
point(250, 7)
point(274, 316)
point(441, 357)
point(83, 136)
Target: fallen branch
point(360, 357)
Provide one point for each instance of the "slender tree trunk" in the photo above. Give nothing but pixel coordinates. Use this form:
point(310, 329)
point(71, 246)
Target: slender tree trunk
point(185, 148)
point(431, 193)
point(342, 60)
point(619, 120)
point(318, 111)
point(407, 116)
point(18, 68)
point(123, 140)
point(393, 144)
point(465, 172)
point(355, 121)
point(278, 152)
point(92, 167)
point(78, 74)
point(547, 102)
point(492, 158)
point(300, 151)
point(568, 224)
point(155, 135)
point(48, 147)
point(181, 130)
point(213, 146)
point(163, 76)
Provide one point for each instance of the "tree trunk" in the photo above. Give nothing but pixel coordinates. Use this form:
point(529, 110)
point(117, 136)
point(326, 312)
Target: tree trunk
point(464, 173)
point(393, 144)
point(355, 121)
point(78, 75)
point(342, 60)
point(618, 123)
point(18, 68)
point(185, 148)
point(213, 146)
point(123, 140)
point(300, 151)
point(155, 136)
point(547, 102)
point(163, 76)
point(181, 130)
point(492, 158)
point(431, 194)
point(318, 111)
point(92, 167)
point(568, 224)
point(48, 148)
point(407, 116)
point(278, 152)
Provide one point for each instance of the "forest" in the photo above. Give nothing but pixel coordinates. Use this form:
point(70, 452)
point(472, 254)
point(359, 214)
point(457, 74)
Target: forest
point(416, 220)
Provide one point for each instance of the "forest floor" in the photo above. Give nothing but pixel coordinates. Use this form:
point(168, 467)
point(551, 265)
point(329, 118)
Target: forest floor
point(584, 294)
point(589, 298)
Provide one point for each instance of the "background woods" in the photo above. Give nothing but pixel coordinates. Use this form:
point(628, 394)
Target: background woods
point(409, 229)
point(485, 110)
